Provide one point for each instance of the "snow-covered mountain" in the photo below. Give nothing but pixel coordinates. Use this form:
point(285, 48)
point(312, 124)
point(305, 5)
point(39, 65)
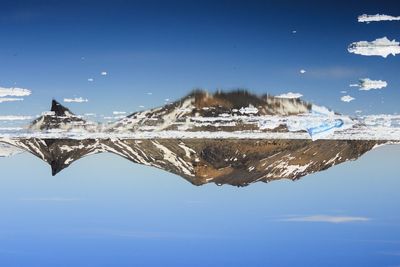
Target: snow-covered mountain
point(225, 160)
point(60, 118)
point(201, 111)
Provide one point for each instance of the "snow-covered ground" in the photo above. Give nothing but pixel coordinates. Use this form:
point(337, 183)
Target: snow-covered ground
point(305, 126)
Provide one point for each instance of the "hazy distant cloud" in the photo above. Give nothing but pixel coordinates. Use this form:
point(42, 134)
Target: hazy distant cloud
point(50, 199)
point(336, 72)
point(289, 95)
point(119, 112)
point(10, 99)
point(325, 219)
point(75, 100)
point(90, 80)
point(14, 118)
point(302, 71)
point(378, 17)
point(104, 73)
point(347, 98)
point(144, 234)
point(380, 47)
point(14, 91)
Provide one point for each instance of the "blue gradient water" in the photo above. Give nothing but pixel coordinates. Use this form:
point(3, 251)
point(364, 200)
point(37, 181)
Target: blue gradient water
point(105, 211)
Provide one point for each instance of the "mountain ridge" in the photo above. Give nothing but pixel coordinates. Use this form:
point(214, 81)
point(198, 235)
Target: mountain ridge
point(237, 162)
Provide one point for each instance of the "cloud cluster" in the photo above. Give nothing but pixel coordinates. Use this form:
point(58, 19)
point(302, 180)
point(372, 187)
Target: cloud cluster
point(325, 219)
point(75, 100)
point(378, 17)
point(347, 98)
point(380, 47)
point(14, 91)
point(290, 95)
point(13, 94)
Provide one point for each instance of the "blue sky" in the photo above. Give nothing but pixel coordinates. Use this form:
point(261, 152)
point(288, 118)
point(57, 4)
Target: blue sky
point(105, 211)
point(169, 48)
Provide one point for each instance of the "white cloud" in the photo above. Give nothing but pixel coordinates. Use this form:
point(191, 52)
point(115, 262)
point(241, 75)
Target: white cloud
point(14, 91)
point(10, 99)
point(90, 80)
point(378, 17)
point(289, 95)
point(75, 100)
point(325, 219)
point(367, 84)
point(302, 71)
point(14, 118)
point(380, 47)
point(103, 73)
point(347, 98)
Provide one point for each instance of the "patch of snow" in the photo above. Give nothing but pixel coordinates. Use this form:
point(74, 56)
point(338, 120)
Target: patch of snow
point(248, 110)
point(320, 110)
point(289, 95)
